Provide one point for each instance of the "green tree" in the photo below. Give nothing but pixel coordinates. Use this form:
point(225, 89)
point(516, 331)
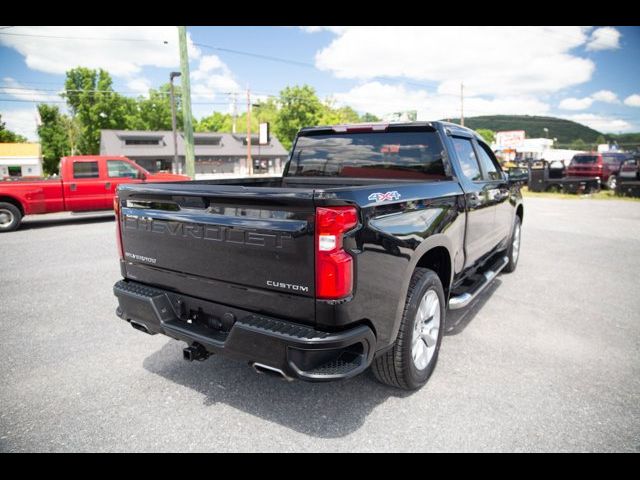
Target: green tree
point(578, 144)
point(216, 122)
point(369, 118)
point(488, 135)
point(299, 107)
point(7, 136)
point(54, 137)
point(90, 96)
point(154, 112)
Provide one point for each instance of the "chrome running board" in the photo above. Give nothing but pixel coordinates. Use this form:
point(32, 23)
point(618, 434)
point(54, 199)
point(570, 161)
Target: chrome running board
point(466, 298)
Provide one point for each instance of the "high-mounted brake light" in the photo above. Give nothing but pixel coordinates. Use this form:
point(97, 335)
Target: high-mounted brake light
point(334, 266)
point(361, 127)
point(116, 209)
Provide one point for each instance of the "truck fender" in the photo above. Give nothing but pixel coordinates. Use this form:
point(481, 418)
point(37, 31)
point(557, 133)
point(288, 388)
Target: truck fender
point(15, 201)
point(434, 241)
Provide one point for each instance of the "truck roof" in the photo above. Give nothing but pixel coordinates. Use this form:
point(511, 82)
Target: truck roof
point(381, 126)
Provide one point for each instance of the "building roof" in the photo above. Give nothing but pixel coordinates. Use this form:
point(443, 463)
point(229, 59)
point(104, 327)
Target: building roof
point(132, 143)
point(19, 150)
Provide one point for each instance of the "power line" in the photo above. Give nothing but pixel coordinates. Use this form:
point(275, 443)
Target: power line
point(61, 37)
point(257, 55)
point(63, 102)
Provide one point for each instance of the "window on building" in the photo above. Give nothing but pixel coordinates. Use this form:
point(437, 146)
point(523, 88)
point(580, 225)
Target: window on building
point(467, 158)
point(143, 141)
point(120, 169)
point(85, 170)
point(211, 141)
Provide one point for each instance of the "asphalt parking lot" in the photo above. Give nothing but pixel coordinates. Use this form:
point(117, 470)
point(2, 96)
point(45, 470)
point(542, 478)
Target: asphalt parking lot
point(548, 359)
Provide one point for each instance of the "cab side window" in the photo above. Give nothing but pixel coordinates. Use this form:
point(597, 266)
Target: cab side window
point(120, 169)
point(85, 170)
point(467, 157)
point(489, 162)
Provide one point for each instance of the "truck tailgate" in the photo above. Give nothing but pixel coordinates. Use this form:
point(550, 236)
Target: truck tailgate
point(256, 241)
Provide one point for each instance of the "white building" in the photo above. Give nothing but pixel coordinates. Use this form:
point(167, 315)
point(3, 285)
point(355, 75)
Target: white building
point(20, 160)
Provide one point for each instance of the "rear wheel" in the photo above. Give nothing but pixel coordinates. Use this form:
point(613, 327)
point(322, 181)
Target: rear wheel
point(411, 361)
point(10, 217)
point(612, 182)
point(513, 252)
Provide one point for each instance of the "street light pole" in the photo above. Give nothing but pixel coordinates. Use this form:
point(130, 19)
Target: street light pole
point(175, 166)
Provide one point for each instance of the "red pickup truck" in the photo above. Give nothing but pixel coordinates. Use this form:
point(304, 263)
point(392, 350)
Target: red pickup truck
point(86, 183)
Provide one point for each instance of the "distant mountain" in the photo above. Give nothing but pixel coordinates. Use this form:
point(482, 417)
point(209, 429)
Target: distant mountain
point(565, 131)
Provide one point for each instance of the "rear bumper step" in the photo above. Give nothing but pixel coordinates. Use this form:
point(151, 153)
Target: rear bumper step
point(298, 351)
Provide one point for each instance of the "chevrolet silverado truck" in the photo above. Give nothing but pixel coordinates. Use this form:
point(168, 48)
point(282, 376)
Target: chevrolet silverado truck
point(86, 183)
point(351, 259)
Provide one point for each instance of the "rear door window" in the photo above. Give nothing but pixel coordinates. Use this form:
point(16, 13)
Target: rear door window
point(85, 170)
point(489, 162)
point(467, 157)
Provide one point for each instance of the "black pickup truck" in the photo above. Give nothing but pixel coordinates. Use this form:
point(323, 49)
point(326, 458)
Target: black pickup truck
point(349, 260)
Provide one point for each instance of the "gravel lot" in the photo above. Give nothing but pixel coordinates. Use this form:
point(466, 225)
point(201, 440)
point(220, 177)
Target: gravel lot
point(548, 359)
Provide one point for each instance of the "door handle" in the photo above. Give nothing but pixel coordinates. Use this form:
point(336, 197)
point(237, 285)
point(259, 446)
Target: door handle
point(107, 186)
point(73, 187)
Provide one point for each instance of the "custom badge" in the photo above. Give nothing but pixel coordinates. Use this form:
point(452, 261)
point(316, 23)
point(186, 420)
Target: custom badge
point(383, 197)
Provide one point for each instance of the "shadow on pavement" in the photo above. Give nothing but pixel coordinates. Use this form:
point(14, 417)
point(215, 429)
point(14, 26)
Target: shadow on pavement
point(35, 222)
point(457, 320)
point(325, 410)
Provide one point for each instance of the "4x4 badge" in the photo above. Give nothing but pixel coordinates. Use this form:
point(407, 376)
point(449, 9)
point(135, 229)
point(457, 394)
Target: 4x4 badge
point(382, 197)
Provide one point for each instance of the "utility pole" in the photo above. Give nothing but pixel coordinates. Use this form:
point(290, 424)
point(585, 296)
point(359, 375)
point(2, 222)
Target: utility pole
point(176, 166)
point(235, 110)
point(189, 154)
point(249, 160)
point(462, 104)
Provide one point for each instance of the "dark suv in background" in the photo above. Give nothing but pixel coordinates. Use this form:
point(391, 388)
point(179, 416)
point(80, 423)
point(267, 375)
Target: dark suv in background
point(606, 166)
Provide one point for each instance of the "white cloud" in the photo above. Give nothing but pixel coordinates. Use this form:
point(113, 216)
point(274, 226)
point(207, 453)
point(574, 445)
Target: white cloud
point(99, 47)
point(381, 99)
point(139, 85)
point(632, 100)
point(499, 61)
point(576, 103)
point(602, 123)
point(21, 121)
point(605, 38)
point(21, 92)
point(212, 80)
point(316, 29)
point(606, 96)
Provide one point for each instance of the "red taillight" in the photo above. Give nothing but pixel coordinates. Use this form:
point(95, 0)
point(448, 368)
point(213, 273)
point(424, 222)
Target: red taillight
point(334, 266)
point(116, 209)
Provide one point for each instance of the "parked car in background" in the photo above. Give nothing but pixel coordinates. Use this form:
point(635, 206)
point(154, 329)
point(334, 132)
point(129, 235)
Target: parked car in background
point(86, 183)
point(630, 168)
point(605, 166)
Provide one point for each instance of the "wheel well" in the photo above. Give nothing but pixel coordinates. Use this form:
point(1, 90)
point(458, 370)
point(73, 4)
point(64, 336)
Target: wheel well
point(520, 212)
point(13, 202)
point(438, 260)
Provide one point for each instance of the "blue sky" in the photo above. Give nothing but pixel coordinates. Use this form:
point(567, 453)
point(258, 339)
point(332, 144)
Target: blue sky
point(587, 74)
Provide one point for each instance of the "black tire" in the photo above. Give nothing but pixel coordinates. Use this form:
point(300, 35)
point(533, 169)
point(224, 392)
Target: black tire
point(513, 261)
point(396, 366)
point(10, 217)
